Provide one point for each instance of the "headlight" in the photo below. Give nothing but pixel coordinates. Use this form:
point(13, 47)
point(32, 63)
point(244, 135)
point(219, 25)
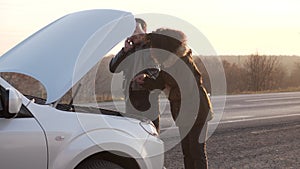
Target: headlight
point(149, 127)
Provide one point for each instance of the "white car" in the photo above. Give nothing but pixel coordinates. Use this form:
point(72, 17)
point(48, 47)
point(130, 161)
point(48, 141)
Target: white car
point(41, 136)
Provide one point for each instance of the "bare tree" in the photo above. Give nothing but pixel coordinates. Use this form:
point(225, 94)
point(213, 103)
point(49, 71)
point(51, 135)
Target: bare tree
point(25, 84)
point(262, 72)
point(295, 76)
point(234, 76)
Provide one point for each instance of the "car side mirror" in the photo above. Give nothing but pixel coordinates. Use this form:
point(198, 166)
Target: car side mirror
point(11, 102)
point(14, 101)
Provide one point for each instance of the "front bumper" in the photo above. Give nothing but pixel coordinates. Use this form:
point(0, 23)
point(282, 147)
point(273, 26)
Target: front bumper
point(153, 154)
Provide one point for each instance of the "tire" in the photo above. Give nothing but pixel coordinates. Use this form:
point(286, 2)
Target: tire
point(98, 164)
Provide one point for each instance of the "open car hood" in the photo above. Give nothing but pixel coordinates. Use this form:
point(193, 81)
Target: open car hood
point(60, 54)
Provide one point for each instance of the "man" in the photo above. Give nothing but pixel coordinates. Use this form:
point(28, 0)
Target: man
point(134, 57)
point(189, 102)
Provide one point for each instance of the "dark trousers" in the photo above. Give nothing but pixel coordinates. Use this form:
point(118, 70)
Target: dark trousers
point(144, 104)
point(194, 147)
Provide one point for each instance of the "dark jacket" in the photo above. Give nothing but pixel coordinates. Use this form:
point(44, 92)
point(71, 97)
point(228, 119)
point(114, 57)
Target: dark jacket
point(130, 64)
point(183, 76)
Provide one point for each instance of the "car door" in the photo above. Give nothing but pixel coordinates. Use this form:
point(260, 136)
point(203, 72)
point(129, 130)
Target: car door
point(22, 141)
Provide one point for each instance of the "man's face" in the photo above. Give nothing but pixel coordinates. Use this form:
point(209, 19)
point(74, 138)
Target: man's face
point(136, 39)
point(138, 30)
point(138, 35)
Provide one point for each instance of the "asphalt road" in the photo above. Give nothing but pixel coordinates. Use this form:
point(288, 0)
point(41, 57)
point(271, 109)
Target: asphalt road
point(233, 108)
point(265, 144)
point(248, 131)
point(240, 108)
point(255, 131)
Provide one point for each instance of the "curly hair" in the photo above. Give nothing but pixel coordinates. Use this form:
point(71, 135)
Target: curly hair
point(168, 39)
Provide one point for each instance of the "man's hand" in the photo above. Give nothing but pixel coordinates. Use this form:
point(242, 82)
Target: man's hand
point(128, 44)
point(140, 79)
point(133, 41)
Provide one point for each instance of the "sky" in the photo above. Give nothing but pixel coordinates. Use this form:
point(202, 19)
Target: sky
point(233, 27)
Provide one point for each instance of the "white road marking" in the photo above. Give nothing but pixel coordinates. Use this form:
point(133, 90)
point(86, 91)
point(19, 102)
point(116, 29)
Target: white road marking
point(272, 130)
point(239, 117)
point(270, 99)
point(256, 118)
point(235, 121)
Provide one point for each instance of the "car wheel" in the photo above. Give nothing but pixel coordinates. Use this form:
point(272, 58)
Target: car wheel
point(98, 164)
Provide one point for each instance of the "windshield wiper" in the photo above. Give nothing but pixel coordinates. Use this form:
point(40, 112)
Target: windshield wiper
point(72, 99)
